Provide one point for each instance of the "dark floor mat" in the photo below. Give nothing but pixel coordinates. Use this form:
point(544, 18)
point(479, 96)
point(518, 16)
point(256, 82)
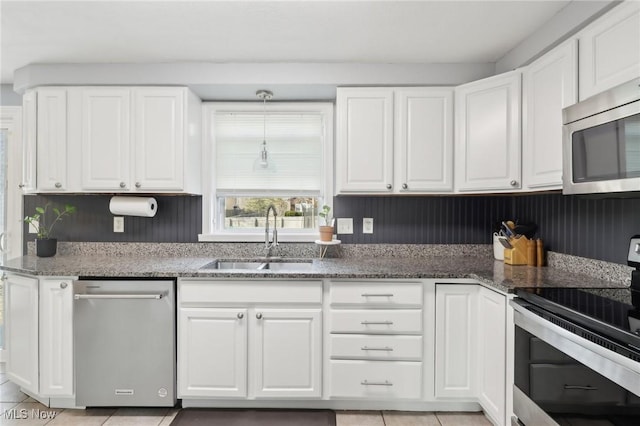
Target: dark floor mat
point(227, 417)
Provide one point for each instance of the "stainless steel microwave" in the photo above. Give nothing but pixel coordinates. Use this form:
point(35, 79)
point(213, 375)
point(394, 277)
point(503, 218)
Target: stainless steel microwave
point(601, 143)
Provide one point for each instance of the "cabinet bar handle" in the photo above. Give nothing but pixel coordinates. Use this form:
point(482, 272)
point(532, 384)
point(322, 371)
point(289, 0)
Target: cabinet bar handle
point(368, 383)
point(117, 296)
point(377, 323)
point(377, 295)
point(589, 388)
point(367, 348)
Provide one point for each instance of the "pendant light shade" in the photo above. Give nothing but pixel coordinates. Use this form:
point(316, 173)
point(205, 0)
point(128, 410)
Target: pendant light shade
point(263, 162)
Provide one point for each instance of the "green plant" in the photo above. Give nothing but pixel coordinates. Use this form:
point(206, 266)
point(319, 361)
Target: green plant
point(39, 220)
point(324, 213)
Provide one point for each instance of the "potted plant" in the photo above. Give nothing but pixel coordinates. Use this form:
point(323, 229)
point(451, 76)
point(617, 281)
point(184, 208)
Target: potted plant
point(326, 230)
point(45, 245)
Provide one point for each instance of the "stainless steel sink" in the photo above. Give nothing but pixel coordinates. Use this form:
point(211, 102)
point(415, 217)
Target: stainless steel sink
point(225, 264)
point(289, 266)
point(259, 265)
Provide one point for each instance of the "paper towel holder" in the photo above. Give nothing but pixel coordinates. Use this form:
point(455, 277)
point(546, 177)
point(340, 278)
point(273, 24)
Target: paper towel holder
point(133, 206)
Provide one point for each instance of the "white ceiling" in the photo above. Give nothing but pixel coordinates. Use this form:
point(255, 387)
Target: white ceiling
point(409, 32)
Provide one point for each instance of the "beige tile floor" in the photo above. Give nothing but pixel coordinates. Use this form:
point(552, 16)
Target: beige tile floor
point(18, 409)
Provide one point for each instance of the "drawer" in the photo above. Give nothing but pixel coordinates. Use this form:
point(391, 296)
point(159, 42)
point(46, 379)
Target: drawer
point(402, 294)
point(212, 292)
point(572, 384)
point(402, 348)
point(376, 321)
point(376, 379)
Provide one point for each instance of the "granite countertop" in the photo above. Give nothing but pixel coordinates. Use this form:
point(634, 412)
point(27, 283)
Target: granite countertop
point(491, 273)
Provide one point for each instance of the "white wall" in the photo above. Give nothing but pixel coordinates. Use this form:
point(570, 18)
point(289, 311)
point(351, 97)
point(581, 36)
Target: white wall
point(8, 97)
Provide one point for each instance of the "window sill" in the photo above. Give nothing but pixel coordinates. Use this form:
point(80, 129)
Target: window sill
point(257, 238)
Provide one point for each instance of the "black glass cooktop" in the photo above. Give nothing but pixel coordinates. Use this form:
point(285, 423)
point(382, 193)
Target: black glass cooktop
point(610, 314)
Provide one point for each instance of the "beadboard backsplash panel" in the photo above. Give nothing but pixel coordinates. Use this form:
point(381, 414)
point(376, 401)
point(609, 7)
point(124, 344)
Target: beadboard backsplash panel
point(423, 220)
point(582, 226)
point(179, 219)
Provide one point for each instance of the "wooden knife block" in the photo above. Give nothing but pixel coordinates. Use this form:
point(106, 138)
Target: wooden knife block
point(518, 254)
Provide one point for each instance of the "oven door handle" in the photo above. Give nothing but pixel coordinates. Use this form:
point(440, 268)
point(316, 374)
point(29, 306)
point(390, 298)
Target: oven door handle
point(578, 387)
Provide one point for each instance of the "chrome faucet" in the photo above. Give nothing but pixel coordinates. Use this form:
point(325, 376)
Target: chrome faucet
point(267, 244)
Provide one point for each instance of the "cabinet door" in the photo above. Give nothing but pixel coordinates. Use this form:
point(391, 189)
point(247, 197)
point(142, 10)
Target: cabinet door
point(286, 353)
point(29, 140)
point(56, 337)
point(212, 352)
point(456, 340)
point(51, 139)
point(424, 140)
point(159, 138)
point(21, 346)
point(492, 353)
point(106, 132)
point(488, 134)
point(610, 50)
point(364, 140)
point(549, 84)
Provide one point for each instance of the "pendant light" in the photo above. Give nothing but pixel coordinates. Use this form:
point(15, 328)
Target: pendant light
point(262, 162)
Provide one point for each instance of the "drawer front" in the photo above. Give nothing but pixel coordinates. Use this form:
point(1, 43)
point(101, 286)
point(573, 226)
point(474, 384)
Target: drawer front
point(403, 294)
point(205, 292)
point(376, 379)
point(574, 384)
point(376, 321)
point(399, 348)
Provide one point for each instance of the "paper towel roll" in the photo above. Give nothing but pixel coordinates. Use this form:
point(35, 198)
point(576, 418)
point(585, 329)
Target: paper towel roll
point(133, 206)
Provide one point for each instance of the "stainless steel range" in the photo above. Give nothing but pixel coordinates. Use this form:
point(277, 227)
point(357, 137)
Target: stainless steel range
point(577, 354)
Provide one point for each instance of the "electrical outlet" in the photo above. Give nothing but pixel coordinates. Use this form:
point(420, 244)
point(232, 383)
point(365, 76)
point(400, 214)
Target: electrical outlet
point(118, 224)
point(33, 227)
point(367, 225)
point(345, 225)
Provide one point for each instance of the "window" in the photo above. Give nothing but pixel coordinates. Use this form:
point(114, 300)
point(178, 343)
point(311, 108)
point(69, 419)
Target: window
point(295, 177)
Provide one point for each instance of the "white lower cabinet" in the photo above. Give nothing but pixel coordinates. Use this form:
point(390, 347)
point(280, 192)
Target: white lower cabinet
point(228, 347)
point(376, 339)
point(492, 353)
point(212, 354)
point(39, 334)
point(287, 355)
point(471, 348)
point(21, 304)
point(456, 340)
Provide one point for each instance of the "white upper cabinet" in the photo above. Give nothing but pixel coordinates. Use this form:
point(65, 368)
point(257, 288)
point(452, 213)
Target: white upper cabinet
point(549, 85)
point(52, 139)
point(106, 131)
point(126, 139)
point(159, 136)
point(424, 139)
point(364, 154)
point(392, 140)
point(29, 140)
point(487, 134)
point(610, 50)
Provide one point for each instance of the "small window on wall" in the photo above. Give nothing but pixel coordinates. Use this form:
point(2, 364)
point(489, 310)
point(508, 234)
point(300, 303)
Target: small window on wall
point(254, 158)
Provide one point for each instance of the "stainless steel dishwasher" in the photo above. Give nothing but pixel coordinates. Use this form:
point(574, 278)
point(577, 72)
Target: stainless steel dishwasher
point(124, 343)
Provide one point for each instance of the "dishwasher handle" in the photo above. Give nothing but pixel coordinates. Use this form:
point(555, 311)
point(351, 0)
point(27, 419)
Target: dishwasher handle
point(117, 296)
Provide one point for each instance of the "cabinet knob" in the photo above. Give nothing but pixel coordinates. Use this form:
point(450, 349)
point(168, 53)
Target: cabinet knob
point(63, 285)
point(240, 315)
point(259, 315)
point(21, 185)
point(405, 186)
point(58, 185)
point(123, 185)
point(138, 184)
point(389, 186)
point(513, 183)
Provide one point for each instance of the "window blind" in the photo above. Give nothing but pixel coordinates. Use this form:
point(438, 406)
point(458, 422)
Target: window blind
point(294, 144)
